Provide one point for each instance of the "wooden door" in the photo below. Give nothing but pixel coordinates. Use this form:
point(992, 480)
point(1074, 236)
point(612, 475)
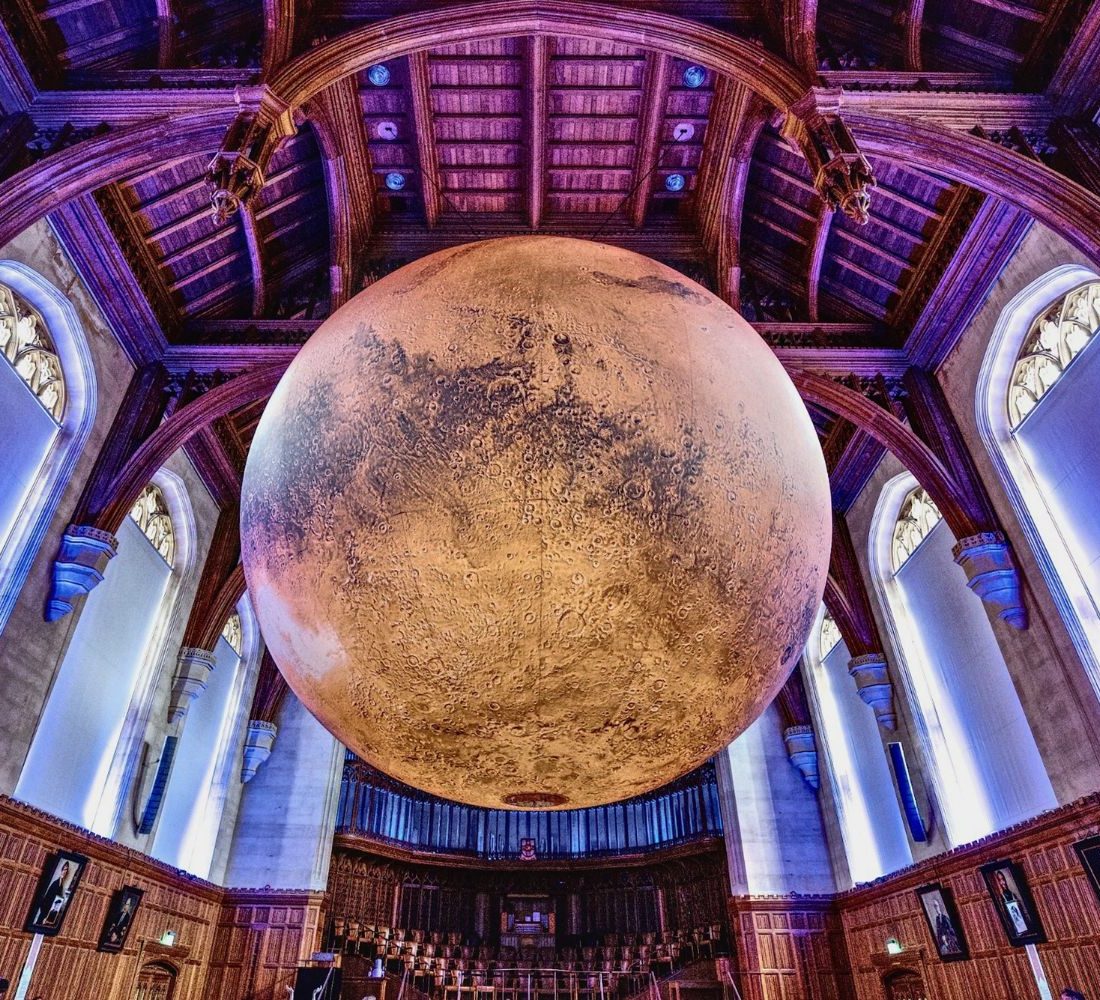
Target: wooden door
point(904, 985)
point(155, 982)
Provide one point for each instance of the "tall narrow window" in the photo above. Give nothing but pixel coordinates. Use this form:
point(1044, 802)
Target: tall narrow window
point(979, 747)
point(47, 398)
point(859, 776)
point(74, 769)
point(1036, 410)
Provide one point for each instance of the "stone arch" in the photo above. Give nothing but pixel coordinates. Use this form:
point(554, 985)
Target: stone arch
point(39, 507)
point(1071, 594)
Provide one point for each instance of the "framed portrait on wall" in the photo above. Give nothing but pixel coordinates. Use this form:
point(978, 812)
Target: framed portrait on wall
point(120, 918)
point(938, 906)
point(1088, 851)
point(1012, 899)
point(56, 888)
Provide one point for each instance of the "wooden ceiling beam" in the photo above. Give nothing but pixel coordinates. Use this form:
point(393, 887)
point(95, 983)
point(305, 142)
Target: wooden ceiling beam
point(337, 117)
point(654, 101)
point(254, 241)
point(816, 258)
point(420, 89)
point(166, 34)
point(912, 33)
point(800, 34)
point(279, 27)
point(736, 123)
point(537, 74)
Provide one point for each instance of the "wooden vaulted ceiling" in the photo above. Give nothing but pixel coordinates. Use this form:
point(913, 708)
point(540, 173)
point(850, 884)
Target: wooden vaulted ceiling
point(569, 134)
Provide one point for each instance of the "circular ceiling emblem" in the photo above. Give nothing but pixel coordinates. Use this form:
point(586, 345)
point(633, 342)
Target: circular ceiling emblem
point(683, 131)
point(675, 182)
point(694, 77)
point(379, 74)
point(395, 181)
point(387, 131)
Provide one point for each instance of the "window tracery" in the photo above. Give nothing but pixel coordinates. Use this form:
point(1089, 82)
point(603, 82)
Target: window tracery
point(150, 513)
point(25, 343)
point(1056, 337)
point(916, 519)
point(829, 636)
point(232, 632)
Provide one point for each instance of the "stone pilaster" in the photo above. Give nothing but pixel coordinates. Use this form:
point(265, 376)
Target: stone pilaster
point(992, 575)
point(78, 568)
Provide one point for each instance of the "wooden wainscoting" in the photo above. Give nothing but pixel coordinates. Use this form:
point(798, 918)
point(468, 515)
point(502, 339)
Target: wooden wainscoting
point(230, 944)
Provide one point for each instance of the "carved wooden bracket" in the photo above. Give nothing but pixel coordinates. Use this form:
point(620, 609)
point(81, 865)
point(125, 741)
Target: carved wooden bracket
point(236, 174)
point(842, 175)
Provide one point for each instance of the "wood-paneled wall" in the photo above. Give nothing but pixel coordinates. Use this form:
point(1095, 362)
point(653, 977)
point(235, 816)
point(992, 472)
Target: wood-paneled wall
point(789, 948)
point(834, 947)
point(260, 940)
point(1068, 907)
point(230, 943)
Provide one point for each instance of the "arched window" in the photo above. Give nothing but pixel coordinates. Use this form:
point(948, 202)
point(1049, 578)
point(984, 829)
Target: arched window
point(1037, 416)
point(206, 764)
point(859, 779)
point(89, 735)
point(47, 397)
point(978, 746)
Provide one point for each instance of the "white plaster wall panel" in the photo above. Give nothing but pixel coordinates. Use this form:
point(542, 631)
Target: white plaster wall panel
point(874, 831)
point(778, 836)
point(287, 814)
point(79, 732)
point(956, 660)
point(188, 825)
point(29, 431)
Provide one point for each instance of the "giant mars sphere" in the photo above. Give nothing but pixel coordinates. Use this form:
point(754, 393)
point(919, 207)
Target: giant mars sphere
point(535, 522)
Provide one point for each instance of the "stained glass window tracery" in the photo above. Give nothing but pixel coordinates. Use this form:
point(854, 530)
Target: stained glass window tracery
point(232, 632)
point(916, 519)
point(26, 345)
point(830, 635)
point(150, 513)
point(1056, 337)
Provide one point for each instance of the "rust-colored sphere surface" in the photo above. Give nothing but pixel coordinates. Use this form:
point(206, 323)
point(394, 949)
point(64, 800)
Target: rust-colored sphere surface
point(535, 522)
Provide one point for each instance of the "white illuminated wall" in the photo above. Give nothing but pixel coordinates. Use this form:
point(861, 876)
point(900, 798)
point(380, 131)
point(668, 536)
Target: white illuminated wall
point(67, 768)
point(188, 826)
point(988, 769)
point(871, 823)
point(287, 816)
point(775, 838)
point(23, 447)
point(1060, 440)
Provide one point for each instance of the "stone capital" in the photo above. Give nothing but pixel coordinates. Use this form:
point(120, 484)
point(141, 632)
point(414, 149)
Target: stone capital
point(78, 568)
point(992, 574)
point(193, 670)
point(257, 747)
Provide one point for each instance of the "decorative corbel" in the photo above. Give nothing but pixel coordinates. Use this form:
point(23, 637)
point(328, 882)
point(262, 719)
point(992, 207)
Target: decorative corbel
point(257, 747)
point(872, 677)
point(841, 173)
point(802, 751)
point(992, 574)
point(193, 670)
point(237, 172)
point(85, 552)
